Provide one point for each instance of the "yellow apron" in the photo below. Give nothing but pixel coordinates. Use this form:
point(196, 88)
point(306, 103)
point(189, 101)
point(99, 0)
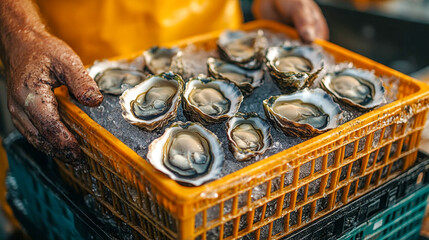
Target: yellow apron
point(98, 29)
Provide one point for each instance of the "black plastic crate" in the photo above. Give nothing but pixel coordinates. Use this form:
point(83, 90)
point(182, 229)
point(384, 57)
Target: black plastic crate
point(40, 201)
point(348, 217)
point(401, 221)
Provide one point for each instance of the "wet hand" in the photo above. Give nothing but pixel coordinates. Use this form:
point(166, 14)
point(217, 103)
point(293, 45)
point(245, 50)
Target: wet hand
point(34, 65)
point(304, 15)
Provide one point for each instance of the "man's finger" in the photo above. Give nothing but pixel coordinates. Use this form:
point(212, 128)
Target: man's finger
point(27, 129)
point(304, 22)
point(43, 112)
point(73, 74)
point(322, 29)
point(310, 23)
point(306, 16)
point(30, 133)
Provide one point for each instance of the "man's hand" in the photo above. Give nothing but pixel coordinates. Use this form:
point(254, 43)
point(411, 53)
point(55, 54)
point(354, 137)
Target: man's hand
point(35, 63)
point(305, 15)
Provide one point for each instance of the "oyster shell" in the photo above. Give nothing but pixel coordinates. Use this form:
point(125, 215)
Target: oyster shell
point(294, 67)
point(243, 49)
point(154, 102)
point(161, 59)
point(305, 113)
point(187, 153)
point(248, 135)
point(114, 77)
point(116, 80)
point(209, 100)
point(246, 80)
point(356, 87)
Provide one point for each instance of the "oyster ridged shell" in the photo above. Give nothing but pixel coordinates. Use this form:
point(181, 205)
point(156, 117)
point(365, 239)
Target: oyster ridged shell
point(246, 80)
point(294, 67)
point(204, 96)
point(356, 87)
point(161, 59)
point(248, 135)
point(314, 107)
point(242, 49)
point(188, 153)
point(161, 109)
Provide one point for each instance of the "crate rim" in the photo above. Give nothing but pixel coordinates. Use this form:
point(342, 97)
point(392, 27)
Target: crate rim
point(184, 194)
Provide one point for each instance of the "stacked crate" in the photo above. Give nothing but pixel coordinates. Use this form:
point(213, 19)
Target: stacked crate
point(47, 209)
point(39, 199)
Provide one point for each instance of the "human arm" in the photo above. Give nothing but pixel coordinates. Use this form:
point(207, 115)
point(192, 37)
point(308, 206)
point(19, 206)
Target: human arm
point(305, 15)
point(35, 63)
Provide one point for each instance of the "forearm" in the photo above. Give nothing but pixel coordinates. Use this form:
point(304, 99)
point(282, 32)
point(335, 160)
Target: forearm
point(19, 21)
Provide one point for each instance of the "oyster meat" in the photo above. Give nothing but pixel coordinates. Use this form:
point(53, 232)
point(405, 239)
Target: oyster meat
point(243, 49)
point(188, 153)
point(356, 87)
point(304, 114)
point(246, 80)
point(301, 112)
point(154, 102)
point(160, 59)
point(248, 135)
point(209, 100)
point(294, 67)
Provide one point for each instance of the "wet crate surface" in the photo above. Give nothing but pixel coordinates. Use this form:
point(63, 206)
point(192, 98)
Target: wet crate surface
point(348, 217)
point(42, 206)
point(401, 221)
point(272, 192)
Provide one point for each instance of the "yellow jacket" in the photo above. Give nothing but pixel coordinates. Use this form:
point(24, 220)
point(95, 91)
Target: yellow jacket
point(98, 29)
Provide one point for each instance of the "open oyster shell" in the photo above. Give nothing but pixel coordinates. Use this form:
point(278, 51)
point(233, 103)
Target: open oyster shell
point(242, 48)
point(305, 113)
point(356, 87)
point(116, 80)
point(294, 67)
point(188, 153)
point(154, 102)
point(161, 59)
point(209, 100)
point(114, 77)
point(248, 135)
point(246, 80)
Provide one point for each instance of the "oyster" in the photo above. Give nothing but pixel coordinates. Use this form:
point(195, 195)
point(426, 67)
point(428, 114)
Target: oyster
point(246, 80)
point(294, 67)
point(116, 80)
point(209, 100)
point(241, 48)
point(249, 135)
point(187, 153)
point(160, 59)
point(114, 77)
point(154, 102)
point(356, 87)
point(305, 113)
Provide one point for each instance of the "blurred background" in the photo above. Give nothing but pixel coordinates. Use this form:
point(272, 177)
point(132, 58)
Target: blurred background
point(392, 32)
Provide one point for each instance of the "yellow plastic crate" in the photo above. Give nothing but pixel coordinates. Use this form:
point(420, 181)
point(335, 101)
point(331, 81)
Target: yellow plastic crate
point(156, 207)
